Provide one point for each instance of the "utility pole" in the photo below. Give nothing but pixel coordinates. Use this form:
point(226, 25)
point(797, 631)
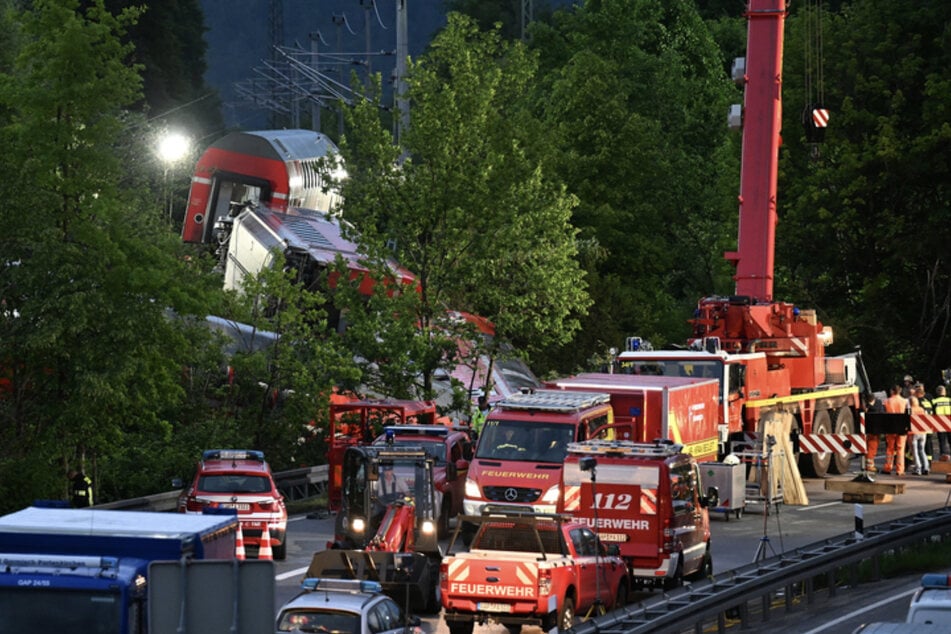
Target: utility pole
point(528, 14)
point(367, 5)
point(315, 86)
point(402, 52)
point(339, 21)
point(276, 24)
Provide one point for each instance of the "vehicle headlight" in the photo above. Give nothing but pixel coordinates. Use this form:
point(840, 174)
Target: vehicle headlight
point(551, 495)
point(358, 525)
point(472, 489)
point(428, 527)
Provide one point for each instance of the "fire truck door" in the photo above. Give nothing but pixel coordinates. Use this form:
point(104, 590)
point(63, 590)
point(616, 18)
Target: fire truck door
point(589, 581)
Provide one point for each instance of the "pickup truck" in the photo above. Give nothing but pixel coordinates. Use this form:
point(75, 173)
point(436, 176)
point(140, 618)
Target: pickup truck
point(529, 569)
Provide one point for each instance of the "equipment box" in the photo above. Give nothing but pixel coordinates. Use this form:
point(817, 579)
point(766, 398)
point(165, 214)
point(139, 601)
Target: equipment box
point(730, 481)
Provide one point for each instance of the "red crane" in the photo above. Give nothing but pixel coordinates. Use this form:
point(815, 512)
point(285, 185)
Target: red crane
point(750, 321)
point(762, 123)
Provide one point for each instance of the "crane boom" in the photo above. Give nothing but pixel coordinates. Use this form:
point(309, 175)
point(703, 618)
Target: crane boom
point(762, 123)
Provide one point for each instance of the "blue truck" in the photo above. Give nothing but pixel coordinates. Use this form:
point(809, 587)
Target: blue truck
point(87, 570)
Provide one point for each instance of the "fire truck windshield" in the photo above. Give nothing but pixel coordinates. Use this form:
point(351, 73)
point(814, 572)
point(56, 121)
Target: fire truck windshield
point(526, 441)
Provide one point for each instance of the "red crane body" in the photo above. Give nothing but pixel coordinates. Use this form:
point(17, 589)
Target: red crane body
point(750, 321)
point(762, 123)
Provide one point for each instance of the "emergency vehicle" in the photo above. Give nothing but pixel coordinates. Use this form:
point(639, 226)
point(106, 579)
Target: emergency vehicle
point(646, 498)
point(240, 479)
point(683, 409)
point(522, 447)
point(527, 568)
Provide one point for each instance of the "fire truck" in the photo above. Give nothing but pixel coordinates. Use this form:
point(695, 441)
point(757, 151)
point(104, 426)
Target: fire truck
point(649, 408)
point(522, 447)
point(769, 356)
point(646, 498)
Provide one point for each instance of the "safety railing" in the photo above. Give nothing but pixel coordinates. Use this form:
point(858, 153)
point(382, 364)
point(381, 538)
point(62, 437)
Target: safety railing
point(295, 485)
point(808, 571)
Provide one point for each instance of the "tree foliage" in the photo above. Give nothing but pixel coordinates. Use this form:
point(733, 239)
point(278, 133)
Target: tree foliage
point(634, 96)
point(279, 392)
point(865, 225)
point(463, 202)
point(93, 361)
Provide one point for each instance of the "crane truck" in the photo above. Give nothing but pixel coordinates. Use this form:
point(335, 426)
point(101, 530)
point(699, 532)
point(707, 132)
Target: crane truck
point(768, 355)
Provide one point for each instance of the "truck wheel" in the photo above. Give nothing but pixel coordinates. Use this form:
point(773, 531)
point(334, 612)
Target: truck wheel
point(566, 616)
point(461, 627)
point(442, 527)
point(677, 580)
point(844, 424)
point(433, 598)
point(706, 567)
point(816, 465)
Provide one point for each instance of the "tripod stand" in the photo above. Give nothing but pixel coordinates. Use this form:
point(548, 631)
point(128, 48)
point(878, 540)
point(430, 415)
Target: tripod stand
point(765, 549)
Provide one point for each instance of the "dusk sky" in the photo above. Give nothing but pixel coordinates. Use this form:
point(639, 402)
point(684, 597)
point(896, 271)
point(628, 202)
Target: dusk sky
point(238, 40)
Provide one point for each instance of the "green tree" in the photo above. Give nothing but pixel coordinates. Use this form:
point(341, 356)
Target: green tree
point(91, 359)
point(468, 209)
point(634, 95)
point(278, 398)
point(169, 47)
point(865, 225)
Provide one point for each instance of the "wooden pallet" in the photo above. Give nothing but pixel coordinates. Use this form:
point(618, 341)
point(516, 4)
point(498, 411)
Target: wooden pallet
point(866, 492)
point(944, 467)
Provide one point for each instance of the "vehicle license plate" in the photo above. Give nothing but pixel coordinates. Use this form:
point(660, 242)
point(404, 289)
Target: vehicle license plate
point(243, 506)
point(486, 606)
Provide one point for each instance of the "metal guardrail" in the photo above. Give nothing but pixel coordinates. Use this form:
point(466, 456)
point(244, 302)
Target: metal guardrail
point(710, 603)
point(296, 484)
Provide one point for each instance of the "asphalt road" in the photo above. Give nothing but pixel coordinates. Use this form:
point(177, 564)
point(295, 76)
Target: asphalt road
point(735, 542)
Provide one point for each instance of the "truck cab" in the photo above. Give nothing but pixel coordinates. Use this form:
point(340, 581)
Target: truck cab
point(88, 570)
point(522, 447)
point(646, 498)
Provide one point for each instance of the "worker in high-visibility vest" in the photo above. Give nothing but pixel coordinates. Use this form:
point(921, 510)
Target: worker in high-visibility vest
point(942, 405)
point(478, 418)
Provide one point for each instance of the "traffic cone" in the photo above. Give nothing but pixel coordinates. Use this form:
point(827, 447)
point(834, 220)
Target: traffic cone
point(264, 551)
point(239, 544)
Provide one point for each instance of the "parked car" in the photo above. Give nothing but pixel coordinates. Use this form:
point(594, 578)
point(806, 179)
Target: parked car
point(240, 479)
point(344, 606)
